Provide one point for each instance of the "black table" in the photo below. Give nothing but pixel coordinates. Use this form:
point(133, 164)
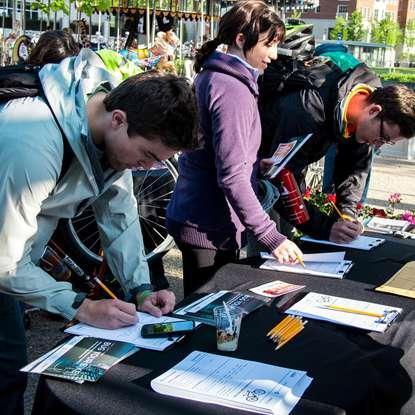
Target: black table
point(354, 372)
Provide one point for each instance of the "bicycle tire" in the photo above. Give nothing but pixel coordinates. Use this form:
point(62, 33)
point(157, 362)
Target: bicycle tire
point(82, 231)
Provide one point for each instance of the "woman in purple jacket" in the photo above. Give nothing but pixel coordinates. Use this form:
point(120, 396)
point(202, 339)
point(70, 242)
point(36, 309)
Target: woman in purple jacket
point(214, 200)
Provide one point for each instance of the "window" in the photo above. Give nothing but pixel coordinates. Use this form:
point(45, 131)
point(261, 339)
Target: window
point(342, 8)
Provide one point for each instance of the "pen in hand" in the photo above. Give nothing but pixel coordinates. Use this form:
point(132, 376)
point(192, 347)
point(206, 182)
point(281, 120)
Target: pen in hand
point(342, 215)
point(300, 261)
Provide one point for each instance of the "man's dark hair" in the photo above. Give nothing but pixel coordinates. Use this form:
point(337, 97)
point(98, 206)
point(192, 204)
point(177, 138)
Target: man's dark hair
point(52, 47)
point(158, 107)
point(398, 107)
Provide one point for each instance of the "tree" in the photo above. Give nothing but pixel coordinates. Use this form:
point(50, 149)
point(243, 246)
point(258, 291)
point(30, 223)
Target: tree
point(340, 26)
point(84, 6)
point(355, 29)
point(386, 31)
point(409, 36)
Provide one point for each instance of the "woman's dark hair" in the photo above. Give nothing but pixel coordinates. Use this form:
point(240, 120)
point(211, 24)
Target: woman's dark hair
point(158, 107)
point(52, 47)
point(249, 17)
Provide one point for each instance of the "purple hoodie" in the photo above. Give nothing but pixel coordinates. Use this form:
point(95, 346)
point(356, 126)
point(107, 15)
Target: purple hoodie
point(214, 199)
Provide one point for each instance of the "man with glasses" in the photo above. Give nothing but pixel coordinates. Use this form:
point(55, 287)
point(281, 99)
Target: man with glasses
point(350, 111)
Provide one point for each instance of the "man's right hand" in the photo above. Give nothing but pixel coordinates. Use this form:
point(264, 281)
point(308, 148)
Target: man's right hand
point(107, 314)
point(288, 252)
point(345, 231)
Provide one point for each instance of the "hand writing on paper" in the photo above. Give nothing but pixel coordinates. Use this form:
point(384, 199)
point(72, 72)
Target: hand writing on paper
point(107, 314)
point(158, 303)
point(287, 252)
point(344, 231)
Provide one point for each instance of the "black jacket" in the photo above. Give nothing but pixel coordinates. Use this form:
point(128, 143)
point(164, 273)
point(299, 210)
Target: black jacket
point(313, 109)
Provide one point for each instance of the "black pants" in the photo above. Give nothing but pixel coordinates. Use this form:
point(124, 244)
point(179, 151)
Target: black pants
point(12, 356)
point(200, 264)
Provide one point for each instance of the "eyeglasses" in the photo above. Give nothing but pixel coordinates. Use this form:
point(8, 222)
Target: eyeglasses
point(384, 139)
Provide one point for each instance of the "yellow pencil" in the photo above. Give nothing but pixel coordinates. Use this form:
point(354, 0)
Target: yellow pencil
point(287, 339)
point(300, 261)
point(105, 288)
point(342, 216)
point(286, 331)
point(281, 324)
point(353, 311)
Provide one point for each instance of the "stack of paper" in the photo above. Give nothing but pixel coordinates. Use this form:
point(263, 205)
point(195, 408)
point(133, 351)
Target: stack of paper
point(276, 288)
point(130, 334)
point(361, 314)
point(365, 243)
point(236, 383)
point(81, 359)
point(330, 264)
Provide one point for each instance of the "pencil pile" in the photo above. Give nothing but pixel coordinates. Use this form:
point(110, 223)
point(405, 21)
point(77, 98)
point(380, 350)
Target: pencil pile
point(286, 329)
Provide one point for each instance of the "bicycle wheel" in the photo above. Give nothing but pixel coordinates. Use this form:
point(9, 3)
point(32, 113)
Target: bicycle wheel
point(153, 189)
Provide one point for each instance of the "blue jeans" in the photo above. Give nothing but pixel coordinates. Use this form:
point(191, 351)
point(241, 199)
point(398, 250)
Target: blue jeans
point(12, 356)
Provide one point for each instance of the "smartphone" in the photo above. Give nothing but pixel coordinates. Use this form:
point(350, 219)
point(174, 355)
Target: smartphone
point(167, 329)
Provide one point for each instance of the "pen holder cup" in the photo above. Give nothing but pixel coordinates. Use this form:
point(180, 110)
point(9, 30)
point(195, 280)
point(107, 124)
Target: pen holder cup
point(228, 326)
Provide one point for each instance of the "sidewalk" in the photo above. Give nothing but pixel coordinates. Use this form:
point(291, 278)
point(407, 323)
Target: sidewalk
point(390, 176)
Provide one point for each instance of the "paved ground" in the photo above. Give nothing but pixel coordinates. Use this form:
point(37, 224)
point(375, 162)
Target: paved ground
point(388, 176)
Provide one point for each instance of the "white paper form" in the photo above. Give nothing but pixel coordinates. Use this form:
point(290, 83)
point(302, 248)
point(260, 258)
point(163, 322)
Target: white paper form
point(318, 257)
point(330, 265)
point(365, 243)
point(315, 305)
point(130, 334)
point(232, 382)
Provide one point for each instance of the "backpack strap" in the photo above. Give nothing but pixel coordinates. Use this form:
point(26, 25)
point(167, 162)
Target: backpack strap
point(67, 149)
point(20, 81)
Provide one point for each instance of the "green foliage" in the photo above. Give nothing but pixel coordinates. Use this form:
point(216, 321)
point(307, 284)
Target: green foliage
point(54, 6)
point(355, 29)
point(85, 6)
point(296, 14)
point(351, 29)
point(401, 75)
point(398, 77)
point(409, 36)
point(386, 31)
point(340, 26)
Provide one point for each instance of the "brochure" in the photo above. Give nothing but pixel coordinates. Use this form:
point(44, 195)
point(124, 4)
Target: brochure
point(276, 288)
point(202, 309)
point(81, 359)
point(235, 383)
point(332, 265)
point(385, 225)
point(354, 313)
point(402, 282)
point(284, 152)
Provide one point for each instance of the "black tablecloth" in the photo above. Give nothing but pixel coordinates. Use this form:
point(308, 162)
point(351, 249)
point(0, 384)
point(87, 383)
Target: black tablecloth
point(354, 373)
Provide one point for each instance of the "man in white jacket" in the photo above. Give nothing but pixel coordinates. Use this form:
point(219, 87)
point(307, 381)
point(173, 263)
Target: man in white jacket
point(109, 130)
